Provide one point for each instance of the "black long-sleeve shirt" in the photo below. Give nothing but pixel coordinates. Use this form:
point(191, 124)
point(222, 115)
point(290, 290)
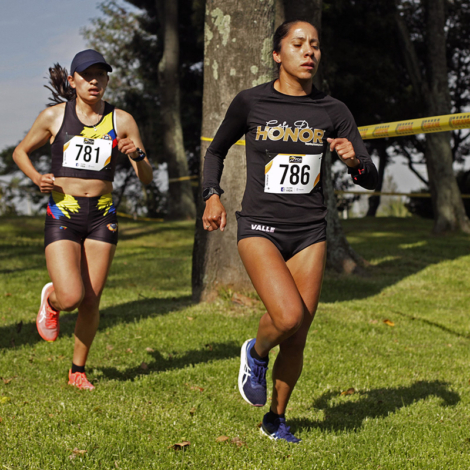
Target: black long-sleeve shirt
point(286, 138)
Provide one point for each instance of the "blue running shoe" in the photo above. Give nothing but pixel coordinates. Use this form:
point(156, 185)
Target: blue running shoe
point(252, 376)
point(278, 430)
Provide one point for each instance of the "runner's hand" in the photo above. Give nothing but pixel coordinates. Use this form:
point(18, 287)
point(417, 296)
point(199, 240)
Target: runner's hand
point(46, 183)
point(345, 151)
point(126, 146)
point(214, 215)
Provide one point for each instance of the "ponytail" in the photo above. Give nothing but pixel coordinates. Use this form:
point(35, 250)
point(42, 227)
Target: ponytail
point(60, 86)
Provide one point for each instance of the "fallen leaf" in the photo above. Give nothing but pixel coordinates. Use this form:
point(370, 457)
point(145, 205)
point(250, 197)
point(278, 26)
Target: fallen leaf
point(6, 381)
point(76, 452)
point(51, 415)
point(208, 346)
point(60, 357)
point(1, 419)
point(180, 445)
point(449, 345)
point(238, 442)
point(196, 388)
point(389, 323)
point(109, 347)
point(259, 424)
point(144, 366)
point(241, 299)
point(49, 358)
point(349, 391)
point(222, 439)
point(5, 399)
point(116, 464)
point(190, 318)
point(8, 294)
point(149, 350)
point(129, 350)
point(373, 321)
point(97, 409)
point(192, 411)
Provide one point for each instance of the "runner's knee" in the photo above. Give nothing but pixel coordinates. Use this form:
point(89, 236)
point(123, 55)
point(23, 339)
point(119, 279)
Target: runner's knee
point(69, 301)
point(290, 321)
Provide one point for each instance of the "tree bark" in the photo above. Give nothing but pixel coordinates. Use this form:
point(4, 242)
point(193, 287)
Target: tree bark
point(340, 256)
point(237, 55)
point(433, 91)
point(447, 202)
point(181, 200)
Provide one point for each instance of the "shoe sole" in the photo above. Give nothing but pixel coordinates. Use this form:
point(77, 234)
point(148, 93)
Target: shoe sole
point(274, 438)
point(265, 433)
point(43, 293)
point(241, 373)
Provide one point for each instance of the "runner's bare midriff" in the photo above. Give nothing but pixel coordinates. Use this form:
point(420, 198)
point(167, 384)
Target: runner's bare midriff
point(82, 187)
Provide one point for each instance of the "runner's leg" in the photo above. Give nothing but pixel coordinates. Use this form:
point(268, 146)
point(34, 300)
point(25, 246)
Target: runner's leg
point(307, 269)
point(63, 264)
point(275, 285)
point(97, 257)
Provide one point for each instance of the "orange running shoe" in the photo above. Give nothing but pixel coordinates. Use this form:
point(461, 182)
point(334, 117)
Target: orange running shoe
point(47, 320)
point(80, 381)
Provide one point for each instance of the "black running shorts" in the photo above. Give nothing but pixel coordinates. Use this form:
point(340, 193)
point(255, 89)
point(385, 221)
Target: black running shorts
point(289, 239)
point(77, 218)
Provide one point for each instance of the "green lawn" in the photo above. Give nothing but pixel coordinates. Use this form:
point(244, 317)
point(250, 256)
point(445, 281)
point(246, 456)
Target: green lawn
point(166, 369)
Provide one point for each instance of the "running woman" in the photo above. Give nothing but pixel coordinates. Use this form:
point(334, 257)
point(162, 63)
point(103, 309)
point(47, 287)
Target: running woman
point(287, 124)
point(81, 231)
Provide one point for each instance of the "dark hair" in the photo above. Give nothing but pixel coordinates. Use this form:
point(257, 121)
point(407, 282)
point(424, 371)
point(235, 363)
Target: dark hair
point(61, 89)
point(283, 30)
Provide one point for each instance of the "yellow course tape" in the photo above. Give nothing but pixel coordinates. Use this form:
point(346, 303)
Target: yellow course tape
point(448, 122)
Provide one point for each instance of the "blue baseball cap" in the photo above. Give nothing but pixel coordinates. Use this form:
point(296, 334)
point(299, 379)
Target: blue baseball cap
point(87, 58)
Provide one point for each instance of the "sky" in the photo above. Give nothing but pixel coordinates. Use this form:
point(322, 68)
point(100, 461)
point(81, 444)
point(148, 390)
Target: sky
point(35, 34)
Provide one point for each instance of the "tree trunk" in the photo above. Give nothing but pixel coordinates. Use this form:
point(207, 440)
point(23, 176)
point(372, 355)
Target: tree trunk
point(181, 200)
point(237, 55)
point(340, 256)
point(449, 211)
point(433, 91)
point(374, 201)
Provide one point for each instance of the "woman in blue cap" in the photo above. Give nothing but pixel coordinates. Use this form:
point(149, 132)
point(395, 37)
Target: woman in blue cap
point(81, 233)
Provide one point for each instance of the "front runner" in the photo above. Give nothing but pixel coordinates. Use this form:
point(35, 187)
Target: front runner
point(81, 231)
point(282, 226)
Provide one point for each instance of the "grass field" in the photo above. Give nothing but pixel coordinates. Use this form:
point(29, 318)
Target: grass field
point(166, 369)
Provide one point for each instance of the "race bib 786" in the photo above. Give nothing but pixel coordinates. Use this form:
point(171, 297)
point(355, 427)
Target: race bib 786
point(292, 173)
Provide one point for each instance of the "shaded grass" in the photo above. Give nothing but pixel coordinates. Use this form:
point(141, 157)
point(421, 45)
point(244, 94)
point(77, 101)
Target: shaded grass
point(410, 409)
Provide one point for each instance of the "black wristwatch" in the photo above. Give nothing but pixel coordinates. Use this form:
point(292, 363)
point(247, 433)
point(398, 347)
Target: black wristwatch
point(208, 192)
point(141, 155)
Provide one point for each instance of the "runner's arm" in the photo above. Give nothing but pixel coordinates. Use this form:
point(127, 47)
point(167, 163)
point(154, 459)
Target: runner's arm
point(128, 141)
point(37, 136)
point(230, 131)
point(365, 174)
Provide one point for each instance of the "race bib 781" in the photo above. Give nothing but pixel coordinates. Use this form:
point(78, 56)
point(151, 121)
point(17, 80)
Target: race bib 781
point(83, 153)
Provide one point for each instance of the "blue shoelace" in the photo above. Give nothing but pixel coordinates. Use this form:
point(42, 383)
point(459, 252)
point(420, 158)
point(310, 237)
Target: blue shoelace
point(283, 432)
point(259, 373)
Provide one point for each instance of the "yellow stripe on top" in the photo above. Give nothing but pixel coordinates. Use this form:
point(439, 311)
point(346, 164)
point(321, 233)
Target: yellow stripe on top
point(103, 128)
